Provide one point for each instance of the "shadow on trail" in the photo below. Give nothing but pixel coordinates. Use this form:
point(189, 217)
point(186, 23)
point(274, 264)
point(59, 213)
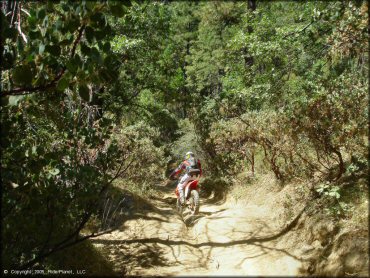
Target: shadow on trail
point(210, 243)
point(208, 213)
point(152, 218)
point(146, 217)
point(191, 220)
point(252, 240)
point(167, 200)
point(162, 240)
point(141, 255)
point(119, 205)
point(215, 196)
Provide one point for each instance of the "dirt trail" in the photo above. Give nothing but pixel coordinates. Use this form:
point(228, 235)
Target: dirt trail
point(225, 239)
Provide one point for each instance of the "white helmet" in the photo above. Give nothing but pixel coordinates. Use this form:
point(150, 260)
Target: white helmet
point(188, 155)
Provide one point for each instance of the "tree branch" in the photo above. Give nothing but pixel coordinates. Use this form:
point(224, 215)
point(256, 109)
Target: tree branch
point(19, 24)
point(43, 88)
point(299, 31)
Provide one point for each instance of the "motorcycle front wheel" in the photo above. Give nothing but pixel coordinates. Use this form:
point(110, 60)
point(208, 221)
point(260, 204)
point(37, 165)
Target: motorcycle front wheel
point(178, 206)
point(194, 202)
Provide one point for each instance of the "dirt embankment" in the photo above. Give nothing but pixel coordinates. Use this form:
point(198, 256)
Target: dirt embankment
point(270, 232)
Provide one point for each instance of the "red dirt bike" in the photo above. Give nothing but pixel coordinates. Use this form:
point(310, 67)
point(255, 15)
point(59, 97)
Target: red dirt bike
point(191, 192)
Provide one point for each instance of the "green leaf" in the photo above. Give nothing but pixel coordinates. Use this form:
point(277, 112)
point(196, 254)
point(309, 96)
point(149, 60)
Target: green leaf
point(4, 100)
point(84, 92)
point(10, 33)
point(41, 14)
point(99, 35)
point(20, 45)
point(65, 7)
point(43, 31)
point(85, 49)
point(34, 35)
point(58, 24)
point(30, 58)
point(8, 60)
point(62, 84)
point(32, 21)
point(95, 55)
point(117, 10)
point(98, 18)
point(53, 49)
point(13, 100)
point(22, 75)
point(74, 64)
point(72, 24)
point(104, 75)
point(54, 171)
point(45, 22)
point(89, 32)
point(34, 150)
point(106, 47)
point(41, 48)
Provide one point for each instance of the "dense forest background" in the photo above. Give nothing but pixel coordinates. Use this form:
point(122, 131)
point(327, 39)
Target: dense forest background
point(100, 93)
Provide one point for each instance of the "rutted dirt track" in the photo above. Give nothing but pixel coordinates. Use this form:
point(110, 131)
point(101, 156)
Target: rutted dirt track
point(224, 239)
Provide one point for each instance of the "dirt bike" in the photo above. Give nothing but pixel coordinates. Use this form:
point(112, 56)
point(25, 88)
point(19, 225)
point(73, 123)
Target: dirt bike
point(191, 192)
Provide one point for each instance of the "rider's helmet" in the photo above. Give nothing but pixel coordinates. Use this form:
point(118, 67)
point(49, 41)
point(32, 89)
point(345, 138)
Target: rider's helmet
point(188, 155)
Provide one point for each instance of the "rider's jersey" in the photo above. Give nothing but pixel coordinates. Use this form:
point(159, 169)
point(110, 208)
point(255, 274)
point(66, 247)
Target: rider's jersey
point(187, 165)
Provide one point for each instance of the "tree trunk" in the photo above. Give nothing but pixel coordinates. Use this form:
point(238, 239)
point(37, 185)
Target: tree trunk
point(248, 60)
point(341, 163)
point(252, 162)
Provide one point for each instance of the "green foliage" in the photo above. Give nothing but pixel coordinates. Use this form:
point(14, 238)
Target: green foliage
point(60, 171)
point(56, 159)
point(187, 142)
point(327, 190)
point(146, 160)
point(337, 207)
point(92, 88)
point(58, 40)
point(292, 98)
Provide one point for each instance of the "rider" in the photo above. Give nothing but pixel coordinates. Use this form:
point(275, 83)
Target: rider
point(189, 163)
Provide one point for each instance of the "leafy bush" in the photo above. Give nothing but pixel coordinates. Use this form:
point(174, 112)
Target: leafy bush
point(145, 161)
point(53, 173)
point(56, 160)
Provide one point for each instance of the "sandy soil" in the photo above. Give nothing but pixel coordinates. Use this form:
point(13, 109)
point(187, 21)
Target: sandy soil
point(224, 239)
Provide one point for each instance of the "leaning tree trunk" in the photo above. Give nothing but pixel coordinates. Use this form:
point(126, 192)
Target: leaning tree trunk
point(341, 163)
